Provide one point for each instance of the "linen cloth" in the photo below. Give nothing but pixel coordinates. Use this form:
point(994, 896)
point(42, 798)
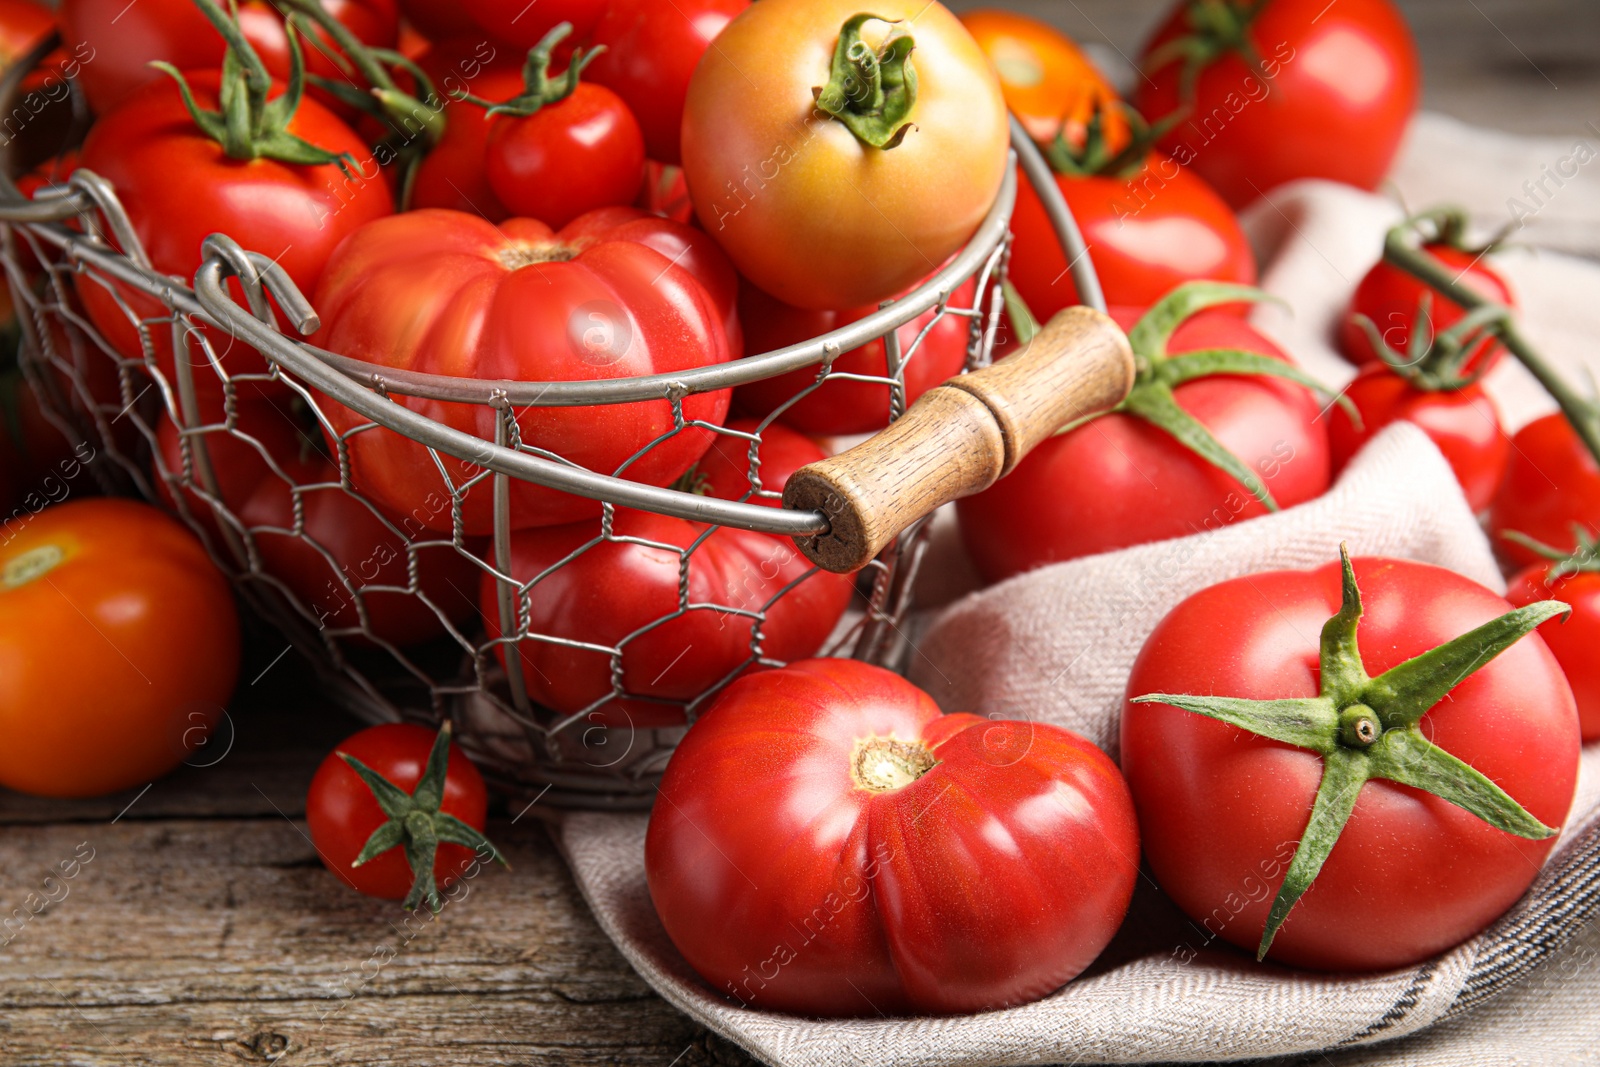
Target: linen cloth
point(1056, 644)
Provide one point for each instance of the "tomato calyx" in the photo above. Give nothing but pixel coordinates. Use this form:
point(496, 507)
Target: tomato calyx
point(871, 91)
point(1433, 362)
point(1216, 27)
point(416, 822)
point(247, 125)
point(1108, 151)
point(1366, 728)
point(1583, 559)
point(884, 764)
point(1158, 374)
point(539, 88)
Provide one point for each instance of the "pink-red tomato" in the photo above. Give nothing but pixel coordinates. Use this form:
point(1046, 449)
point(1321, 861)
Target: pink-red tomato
point(1119, 481)
point(651, 49)
point(825, 842)
point(517, 302)
point(1341, 85)
point(1221, 810)
point(1391, 299)
point(1463, 422)
point(841, 405)
point(1146, 234)
point(1551, 484)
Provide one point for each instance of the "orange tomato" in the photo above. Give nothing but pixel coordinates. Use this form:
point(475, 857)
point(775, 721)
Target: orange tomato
point(1048, 81)
point(119, 645)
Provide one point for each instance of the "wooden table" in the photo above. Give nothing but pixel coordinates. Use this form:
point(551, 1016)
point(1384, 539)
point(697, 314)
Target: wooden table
point(204, 930)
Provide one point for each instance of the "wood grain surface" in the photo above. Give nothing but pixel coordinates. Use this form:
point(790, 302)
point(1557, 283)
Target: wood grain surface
point(204, 931)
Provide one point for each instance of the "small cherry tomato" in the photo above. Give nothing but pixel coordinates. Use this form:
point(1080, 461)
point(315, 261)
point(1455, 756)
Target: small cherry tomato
point(397, 812)
point(1551, 485)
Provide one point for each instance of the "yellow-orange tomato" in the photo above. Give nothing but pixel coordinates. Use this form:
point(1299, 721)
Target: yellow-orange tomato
point(119, 645)
point(1049, 84)
point(810, 211)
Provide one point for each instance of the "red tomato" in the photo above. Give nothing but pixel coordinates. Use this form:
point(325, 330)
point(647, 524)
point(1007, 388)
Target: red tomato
point(438, 19)
point(1341, 85)
point(841, 406)
point(294, 214)
point(833, 212)
point(1222, 810)
point(522, 24)
point(614, 590)
point(1572, 640)
point(1391, 298)
point(1551, 484)
point(124, 39)
point(1050, 85)
point(725, 470)
point(343, 814)
point(24, 24)
point(1120, 481)
point(1146, 234)
point(651, 48)
point(1463, 422)
point(584, 151)
point(824, 891)
point(452, 174)
point(119, 646)
point(517, 302)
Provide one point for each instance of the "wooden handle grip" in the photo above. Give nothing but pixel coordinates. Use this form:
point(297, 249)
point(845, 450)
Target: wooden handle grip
point(960, 437)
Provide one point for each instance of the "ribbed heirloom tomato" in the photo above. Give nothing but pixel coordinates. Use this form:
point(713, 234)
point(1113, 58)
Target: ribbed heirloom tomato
point(826, 842)
point(880, 177)
point(119, 646)
point(1415, 797)
point(519, 302)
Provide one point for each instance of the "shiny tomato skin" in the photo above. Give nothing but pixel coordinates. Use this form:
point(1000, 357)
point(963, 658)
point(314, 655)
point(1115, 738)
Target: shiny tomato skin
point(521, 24)
point(1463, 422)
point(841, 406)
point(341, 812)
point(119, 647)
point(1572, 640)
point(1050, 85)
point(1146, 235)
point(125, 38)
point(296, 215)
point(1551, 482)
point(651, 50)
point(1344, 82)
point(1389, 297)
point(855, 904)
point(616, 588)
point(1119, 481)
point(517, 302)
point(578, 154)
point(769, 177)
point(452, 175)
point(1218, 806)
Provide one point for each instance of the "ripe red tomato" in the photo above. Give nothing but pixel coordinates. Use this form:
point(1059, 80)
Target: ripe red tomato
point(119, 646)
point(725, 470)
point(1463, 422)
point(452, 174)
point(824, 891)
point(1391, 299)
point(1146, 233)
point(1572, 640)
point(771, 173)
point(842, 406)
point(517, 302)
point(371, 844)
point(1120, 481)
point(522, 24)
point(1551, 484)
point(1050, 85)
point(124, 39)
point(24, 24)
point(295, 214)
point(651, 49)
point(1222, 809)
point(1341, 83)
point(580, 153)
point(438, 20)
point(614, 590)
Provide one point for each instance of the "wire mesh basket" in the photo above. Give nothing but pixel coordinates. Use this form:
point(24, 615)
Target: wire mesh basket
point(419, 618)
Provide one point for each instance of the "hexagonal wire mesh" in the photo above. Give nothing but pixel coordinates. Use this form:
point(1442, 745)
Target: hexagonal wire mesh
point(384, 606)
